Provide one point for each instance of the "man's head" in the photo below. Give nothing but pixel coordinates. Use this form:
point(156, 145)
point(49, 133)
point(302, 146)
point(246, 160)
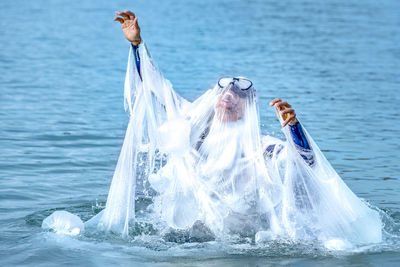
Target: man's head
point(235, 95)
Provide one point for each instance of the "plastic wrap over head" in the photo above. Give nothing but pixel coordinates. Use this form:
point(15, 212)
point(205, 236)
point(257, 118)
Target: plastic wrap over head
point(236, 99)
point(241, 86)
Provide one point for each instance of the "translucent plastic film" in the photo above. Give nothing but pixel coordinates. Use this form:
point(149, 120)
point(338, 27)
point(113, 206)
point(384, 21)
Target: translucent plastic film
point(205, 162)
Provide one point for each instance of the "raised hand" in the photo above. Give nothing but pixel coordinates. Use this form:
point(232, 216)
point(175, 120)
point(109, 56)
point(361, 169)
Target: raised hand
point(130, 26)
point(285, 110)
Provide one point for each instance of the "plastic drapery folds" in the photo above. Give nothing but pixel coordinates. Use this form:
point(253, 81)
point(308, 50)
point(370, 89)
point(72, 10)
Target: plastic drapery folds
point(63, 222)
point(207, 162)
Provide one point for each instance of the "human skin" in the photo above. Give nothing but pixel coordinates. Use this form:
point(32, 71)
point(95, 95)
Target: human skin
point(130, 26)
point(230, 107)
point(285, 110)
point(230, 104)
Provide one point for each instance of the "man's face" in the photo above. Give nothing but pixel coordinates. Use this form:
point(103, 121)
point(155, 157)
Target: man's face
point(230, 106)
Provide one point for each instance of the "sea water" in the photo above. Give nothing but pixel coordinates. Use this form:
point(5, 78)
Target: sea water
point(62, 122)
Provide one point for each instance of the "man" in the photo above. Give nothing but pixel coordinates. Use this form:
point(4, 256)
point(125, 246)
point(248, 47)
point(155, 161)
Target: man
point(205, 161)
point(230, 102)
point(207, 170)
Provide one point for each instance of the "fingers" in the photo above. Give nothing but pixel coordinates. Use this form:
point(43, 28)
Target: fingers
point(290, 117)
point(285, 110)
point(119, 19)
point(282, 104)
point(126, 14)
point(277, 102)
point(123, 14)
point(135, 23)
point(130, 14)
point(288, 114)
point(273, 102)
point(288, 110)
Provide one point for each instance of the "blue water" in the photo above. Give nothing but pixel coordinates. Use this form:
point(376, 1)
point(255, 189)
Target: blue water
point(62, 123)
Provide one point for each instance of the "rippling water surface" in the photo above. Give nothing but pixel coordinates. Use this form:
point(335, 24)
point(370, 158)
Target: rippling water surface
point(62, 122)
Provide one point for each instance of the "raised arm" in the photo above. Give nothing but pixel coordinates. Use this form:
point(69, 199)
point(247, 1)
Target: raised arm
point(143, 77)
point(288, 115)
point(131, 30)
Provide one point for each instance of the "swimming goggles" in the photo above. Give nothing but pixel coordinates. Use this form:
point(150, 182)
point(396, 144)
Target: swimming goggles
point(240, 86)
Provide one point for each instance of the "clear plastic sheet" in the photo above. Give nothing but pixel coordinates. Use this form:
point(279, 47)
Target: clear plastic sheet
point(206, 162)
